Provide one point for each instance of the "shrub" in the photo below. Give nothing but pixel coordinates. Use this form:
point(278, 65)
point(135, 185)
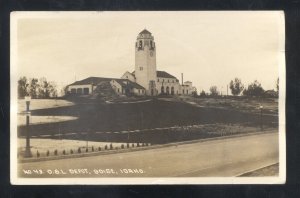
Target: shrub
point(105, 147)
point(99, 148)
point(111, 146)
point(138, 145)
point(92, 148)
point(87, 149)
point(55, 152)
point(79, 150)
point(37, 154)
point(48, 153)
point(132, 145)
point(128, 145)
point(71, 151)
point(64, 152)
point(122, 146)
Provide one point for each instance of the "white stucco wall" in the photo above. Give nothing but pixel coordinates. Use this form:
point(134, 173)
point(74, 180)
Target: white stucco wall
point(139, 92)
point(117, 87)
point(129, 76)
point(89, 86)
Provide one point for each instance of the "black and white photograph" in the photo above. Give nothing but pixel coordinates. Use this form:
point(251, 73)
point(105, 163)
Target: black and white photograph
point(147, 97)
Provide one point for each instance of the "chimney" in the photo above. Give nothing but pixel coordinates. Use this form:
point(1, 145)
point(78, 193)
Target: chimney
point(181, 78)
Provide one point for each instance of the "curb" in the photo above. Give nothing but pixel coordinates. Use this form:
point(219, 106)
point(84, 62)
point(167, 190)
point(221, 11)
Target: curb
point(96, 153)
point(244, 173)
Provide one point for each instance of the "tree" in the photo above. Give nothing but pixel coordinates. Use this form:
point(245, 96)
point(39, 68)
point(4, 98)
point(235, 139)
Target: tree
point(202, 93)
point(33, 88)
point(236, 86)
point(46, 89)
point(254, 89)
point(214, 91)
point(194, 93)
point(22, 87)
point(64, 91)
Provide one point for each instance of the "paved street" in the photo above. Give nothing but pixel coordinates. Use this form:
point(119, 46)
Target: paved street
point(227, 157)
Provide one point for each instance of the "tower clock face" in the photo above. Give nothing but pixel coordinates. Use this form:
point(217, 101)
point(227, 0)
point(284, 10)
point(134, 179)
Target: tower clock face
point(151, 53)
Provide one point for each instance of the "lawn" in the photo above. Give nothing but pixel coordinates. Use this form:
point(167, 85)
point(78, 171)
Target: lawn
point(208, 120)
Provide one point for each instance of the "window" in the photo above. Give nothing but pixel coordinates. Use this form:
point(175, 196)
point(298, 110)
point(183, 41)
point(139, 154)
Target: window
point(79, 90)
point(86, 91)
point(118, 90)
point(172, 90)
point(73, 90)
point(157, 80)
point(162, 90)
point(168, 80)
point(168, 90)
point(139, 91)
point(163, 80)
point(140, 44)
point(141, 68)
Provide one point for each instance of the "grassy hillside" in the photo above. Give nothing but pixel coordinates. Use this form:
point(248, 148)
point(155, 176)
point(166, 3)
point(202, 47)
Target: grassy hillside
point(94, 117)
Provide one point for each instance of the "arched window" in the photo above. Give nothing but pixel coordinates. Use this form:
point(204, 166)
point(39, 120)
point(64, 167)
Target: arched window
point(162, 89)
point(172, 90)
point(167, 91)
point(140, 44)
point(151, 44)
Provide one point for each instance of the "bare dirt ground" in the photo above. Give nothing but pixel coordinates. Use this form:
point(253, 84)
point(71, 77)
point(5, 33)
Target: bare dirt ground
point(43, 104)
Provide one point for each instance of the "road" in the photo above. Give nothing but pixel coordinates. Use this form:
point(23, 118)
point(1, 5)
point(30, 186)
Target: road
point(224, 157)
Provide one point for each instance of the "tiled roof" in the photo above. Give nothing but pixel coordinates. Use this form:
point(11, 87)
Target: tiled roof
point(129, 84)
point(145, 32)
point(161, 74)
point(91, 80)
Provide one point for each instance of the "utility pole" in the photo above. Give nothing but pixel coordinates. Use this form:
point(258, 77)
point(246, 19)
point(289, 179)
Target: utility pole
point(227, 90)
point(27, 149)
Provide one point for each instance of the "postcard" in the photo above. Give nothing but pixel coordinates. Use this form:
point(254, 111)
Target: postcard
point(148, 97)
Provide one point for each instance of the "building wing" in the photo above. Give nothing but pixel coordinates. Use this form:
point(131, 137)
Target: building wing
point(91, 81)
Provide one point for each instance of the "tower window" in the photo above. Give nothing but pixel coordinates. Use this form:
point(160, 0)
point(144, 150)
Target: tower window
point(141, 68)
point(140, 44)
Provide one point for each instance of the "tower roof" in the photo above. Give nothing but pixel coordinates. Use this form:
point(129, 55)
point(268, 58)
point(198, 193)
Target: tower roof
point(145, 32)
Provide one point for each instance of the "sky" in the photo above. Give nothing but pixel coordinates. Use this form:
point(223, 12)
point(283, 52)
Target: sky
point(209, 48)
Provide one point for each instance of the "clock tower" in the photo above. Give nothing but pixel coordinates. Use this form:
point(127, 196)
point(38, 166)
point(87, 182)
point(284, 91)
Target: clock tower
point(145, 62)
